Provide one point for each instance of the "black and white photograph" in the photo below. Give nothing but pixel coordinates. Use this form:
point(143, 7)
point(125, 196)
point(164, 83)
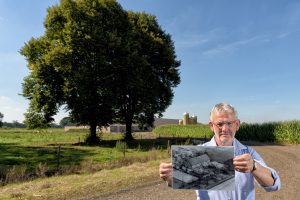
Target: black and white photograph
point(203, 167)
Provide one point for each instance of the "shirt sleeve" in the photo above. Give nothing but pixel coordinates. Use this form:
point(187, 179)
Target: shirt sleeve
point(277, 182)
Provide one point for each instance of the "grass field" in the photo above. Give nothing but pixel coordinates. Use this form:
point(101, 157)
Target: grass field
point(31, 167)
point(27, 154)
point(53, 164)
point(82, 185)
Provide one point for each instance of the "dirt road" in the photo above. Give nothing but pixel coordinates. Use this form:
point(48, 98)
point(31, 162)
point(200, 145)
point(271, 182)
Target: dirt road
point(285, 159)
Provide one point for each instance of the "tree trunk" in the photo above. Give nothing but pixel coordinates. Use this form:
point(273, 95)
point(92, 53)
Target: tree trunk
point(93, 131)
point(128, 135)
point(93, 139)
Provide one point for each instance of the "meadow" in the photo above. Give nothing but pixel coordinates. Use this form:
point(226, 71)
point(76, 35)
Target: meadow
point(29, 154)
point(53, 164)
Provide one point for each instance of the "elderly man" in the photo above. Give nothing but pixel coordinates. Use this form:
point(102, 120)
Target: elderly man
point(248, 163)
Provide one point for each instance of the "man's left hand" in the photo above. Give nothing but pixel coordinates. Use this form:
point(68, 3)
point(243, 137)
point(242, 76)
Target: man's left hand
point(243, 163)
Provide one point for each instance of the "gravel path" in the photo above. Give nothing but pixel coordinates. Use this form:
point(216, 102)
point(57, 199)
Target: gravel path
point(150, 191)
point(285, 159)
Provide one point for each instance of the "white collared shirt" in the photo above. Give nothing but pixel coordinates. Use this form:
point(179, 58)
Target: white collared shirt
point(244, 182)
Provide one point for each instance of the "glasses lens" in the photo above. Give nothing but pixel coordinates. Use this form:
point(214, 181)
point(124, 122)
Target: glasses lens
point(221, 124)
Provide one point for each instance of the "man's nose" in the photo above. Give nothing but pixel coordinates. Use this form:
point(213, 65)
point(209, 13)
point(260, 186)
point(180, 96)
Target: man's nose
point(225, 126)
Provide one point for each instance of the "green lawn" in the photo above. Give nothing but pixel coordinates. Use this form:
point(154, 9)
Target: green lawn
point(25, 154)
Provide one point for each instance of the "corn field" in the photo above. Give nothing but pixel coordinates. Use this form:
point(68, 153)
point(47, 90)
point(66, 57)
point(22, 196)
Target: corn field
point(188, 131)
point(287, 132)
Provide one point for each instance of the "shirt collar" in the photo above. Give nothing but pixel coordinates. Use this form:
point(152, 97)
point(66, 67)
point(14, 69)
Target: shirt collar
point(239, 148)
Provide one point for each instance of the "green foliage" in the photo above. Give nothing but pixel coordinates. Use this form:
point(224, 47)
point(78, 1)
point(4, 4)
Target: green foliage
point(257, 132)
point(151, 59)
point(98, 60)
point(65, 121)
point(35, 120)
point(288, 132)
point(71, 64)
point(121, 146)
point(281, 132)
point(193, 131)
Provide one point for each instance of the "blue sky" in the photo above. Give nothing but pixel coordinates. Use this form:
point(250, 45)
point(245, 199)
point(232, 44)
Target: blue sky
point(244, 52)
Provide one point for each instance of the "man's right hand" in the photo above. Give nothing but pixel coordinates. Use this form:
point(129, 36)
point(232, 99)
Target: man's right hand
point(165, 172)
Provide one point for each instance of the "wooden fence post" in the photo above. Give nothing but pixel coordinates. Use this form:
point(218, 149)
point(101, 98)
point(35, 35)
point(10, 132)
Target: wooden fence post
point(58, 158)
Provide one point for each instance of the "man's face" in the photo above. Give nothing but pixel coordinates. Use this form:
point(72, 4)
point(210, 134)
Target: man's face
point(224, 125)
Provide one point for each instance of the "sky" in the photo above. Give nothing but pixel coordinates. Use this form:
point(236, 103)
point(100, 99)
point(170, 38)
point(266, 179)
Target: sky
point(243, 52)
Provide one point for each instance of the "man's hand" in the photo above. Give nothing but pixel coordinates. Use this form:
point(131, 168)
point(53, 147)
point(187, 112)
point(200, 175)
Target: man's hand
point(243, 163)
point(165, 171)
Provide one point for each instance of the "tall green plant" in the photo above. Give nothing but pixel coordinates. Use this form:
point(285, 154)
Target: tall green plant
point(281, 132)
point(193, 131)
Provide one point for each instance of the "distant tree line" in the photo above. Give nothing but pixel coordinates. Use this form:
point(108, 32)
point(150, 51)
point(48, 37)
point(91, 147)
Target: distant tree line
point(16, 124)
point(13, 124)
point(1, 118)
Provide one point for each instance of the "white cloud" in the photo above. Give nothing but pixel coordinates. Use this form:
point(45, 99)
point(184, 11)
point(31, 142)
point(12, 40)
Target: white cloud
point(11, 109)
point(231, 47)
point(3, 98)
point(14, 109)
point(191, 39)
point(283, 35)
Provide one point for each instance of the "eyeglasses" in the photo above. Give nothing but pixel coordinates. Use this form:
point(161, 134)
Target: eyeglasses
point(221, 124)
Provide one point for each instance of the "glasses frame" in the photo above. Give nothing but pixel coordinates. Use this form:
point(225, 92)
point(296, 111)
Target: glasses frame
point(221, 124)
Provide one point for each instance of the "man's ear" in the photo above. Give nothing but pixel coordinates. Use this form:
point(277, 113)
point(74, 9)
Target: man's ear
point(211, 126)
point(238, 124)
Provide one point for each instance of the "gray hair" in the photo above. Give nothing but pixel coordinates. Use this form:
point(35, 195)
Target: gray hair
point(223, 108)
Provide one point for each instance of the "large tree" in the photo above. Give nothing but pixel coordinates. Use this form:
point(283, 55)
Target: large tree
point(149, 73)
point(72, 63)
point(102, 63)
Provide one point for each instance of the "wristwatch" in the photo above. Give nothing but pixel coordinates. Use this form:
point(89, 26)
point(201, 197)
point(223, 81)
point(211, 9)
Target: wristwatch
point(254, 166)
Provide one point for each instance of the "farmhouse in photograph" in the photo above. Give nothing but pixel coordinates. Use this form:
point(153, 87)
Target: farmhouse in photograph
point(203, 167)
